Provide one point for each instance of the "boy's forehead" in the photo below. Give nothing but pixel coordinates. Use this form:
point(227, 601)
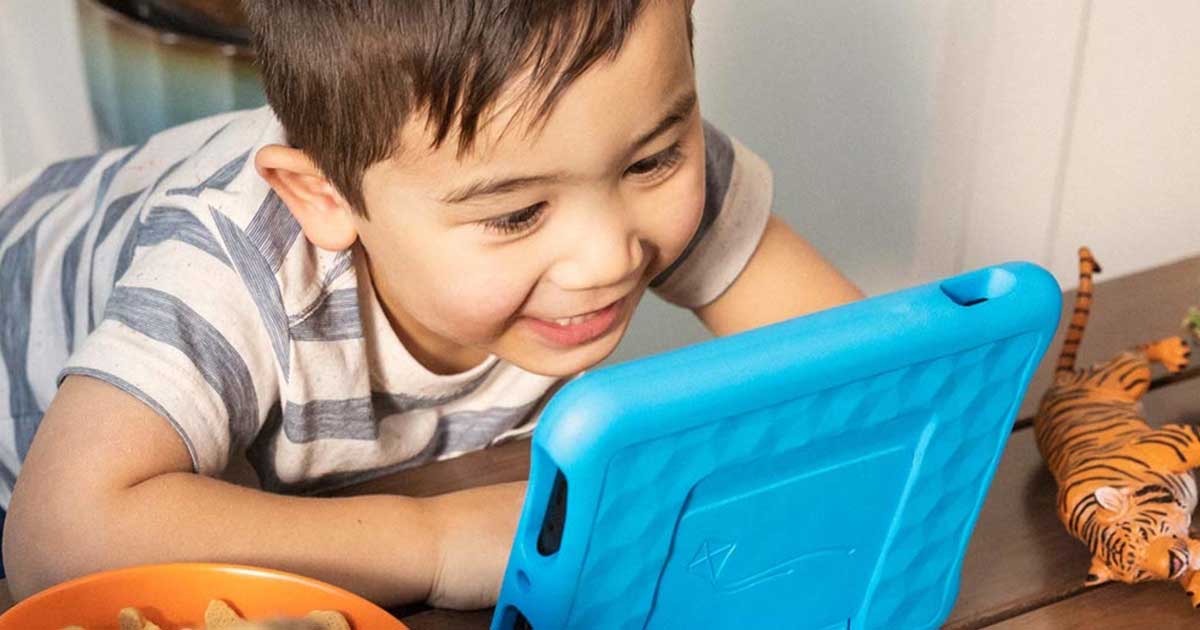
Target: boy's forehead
point(619, 98)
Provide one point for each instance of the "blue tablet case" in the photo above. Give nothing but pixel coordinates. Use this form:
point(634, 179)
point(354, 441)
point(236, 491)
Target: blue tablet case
point(823, 472)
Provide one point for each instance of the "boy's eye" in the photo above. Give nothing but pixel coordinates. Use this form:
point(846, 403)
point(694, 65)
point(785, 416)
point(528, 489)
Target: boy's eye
point(660, 162)
point(516, 221)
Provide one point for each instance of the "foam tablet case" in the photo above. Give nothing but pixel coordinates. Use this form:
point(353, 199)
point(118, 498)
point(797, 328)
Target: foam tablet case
point(820, 473)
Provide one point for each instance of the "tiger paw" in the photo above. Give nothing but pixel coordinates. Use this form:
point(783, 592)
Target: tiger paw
point(1172, 352)
point(1182, 355)
point(1191, 585)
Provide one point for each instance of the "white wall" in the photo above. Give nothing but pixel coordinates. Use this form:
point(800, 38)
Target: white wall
point(909, 140)
point(1131, 176)
point(44, 115)
point(1002, 100)
point(1064, 124)
point(838, 97)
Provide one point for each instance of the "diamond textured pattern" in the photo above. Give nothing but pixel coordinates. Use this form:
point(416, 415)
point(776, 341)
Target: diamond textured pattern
point(969, 399)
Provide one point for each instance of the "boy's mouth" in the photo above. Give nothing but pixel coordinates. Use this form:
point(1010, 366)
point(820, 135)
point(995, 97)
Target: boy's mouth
point(572, 331)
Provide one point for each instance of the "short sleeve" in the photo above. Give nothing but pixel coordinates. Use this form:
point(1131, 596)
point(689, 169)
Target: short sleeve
point(184, 330)
point(738, 199)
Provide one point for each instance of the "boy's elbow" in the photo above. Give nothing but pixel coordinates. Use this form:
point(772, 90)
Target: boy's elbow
point(23, 575)
point(27, 568)
point(44, 545)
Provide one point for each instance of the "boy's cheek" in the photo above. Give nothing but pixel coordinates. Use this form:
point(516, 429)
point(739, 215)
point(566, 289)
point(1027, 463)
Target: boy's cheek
point(679, 210)
point(482, 305)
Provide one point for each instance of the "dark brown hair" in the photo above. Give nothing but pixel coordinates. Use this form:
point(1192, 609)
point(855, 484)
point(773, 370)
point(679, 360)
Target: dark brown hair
point(343, 76)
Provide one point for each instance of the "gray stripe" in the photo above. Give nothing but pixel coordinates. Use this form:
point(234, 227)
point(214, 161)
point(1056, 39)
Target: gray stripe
point(56, 177)
point(116, 210)
point(718, 168)
point(335, 318)
point(453, 430)
point(125, 256)
point(218, 180)
point(165, 318)
point(213, 136)
point(349, 419)
point(25, 427)
point(111, 218)
point(359, 418)
point(114, 213)
point(136, 392)
point(340, 266)
point(9, 477)
point(262, 457)
point(70, 273)
point(261, 283)
point(109, 174)
point(16, 285)
point(473, 430)
point(273, 230)
point(165, 223)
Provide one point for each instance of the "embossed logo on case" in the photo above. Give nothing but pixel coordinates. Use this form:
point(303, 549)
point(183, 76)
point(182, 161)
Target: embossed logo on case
point(712, 557)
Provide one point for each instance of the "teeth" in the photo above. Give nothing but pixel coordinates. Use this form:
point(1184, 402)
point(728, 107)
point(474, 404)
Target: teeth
point(571, 321)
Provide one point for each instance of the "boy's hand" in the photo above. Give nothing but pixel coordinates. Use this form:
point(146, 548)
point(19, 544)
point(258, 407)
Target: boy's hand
point(476, 528)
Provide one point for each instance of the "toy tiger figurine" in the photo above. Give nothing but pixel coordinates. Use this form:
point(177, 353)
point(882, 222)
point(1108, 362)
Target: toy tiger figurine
point(1124, 489)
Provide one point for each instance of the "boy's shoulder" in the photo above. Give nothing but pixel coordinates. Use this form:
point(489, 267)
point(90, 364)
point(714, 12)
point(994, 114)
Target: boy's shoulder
point(212, 183)
point(197, 167)
point(208, 164)
point(193, 186)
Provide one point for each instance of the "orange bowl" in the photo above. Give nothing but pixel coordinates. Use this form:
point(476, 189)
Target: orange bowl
point(175, 595)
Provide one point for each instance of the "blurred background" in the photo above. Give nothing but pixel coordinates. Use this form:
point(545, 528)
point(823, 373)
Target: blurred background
point(909, 141)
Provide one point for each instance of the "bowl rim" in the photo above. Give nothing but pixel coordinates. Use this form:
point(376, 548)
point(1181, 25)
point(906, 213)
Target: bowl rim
point(216, 567)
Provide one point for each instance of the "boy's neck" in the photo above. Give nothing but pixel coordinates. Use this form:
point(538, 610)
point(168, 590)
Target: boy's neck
point(440, 364)
point(439, 358)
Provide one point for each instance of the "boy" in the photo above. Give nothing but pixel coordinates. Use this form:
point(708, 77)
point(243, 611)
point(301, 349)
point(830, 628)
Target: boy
point(459, 205)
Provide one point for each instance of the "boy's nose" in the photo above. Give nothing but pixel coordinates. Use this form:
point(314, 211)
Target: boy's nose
point(606, 251)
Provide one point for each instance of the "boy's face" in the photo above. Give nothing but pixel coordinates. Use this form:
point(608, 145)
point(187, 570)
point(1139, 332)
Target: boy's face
point(479, 255)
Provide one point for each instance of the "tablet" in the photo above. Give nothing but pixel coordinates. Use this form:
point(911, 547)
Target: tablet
point(821, 473)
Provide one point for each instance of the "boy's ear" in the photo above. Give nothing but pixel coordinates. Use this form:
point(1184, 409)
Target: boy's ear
point(326, 218)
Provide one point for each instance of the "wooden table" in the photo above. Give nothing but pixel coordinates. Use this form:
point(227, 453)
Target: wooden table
point(1022, 570)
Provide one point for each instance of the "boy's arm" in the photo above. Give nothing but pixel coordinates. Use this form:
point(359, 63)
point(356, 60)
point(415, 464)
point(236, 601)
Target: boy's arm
point(786, 277)
point(108, 483)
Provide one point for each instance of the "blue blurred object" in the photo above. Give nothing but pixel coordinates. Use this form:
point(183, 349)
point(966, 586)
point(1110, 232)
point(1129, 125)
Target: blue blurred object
point(820, 473)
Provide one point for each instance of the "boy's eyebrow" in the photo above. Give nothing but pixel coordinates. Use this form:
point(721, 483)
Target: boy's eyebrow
point(485, 187)
point(677, 113)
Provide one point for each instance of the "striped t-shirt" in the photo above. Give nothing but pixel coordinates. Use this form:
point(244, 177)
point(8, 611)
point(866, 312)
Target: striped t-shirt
point(172, 271)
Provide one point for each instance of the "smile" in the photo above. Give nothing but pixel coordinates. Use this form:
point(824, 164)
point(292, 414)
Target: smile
point(579, 329)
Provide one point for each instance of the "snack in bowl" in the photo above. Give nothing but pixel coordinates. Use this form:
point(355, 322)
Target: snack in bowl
point(221, 616)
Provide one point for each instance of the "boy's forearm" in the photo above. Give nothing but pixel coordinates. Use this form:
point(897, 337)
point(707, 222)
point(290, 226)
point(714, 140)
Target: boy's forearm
point(385, 548)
